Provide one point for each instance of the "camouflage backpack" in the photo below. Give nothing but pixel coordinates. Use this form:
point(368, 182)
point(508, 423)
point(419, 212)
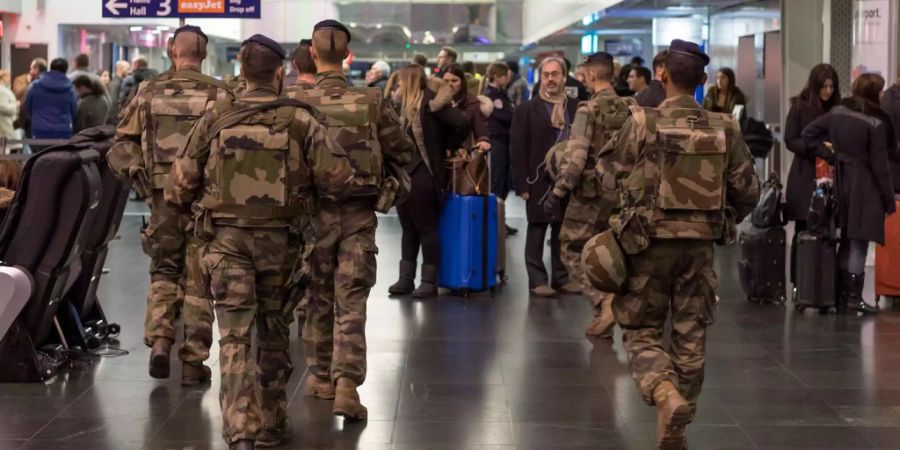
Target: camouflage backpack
point(176, 101)
point(256, 168)
point(352, 115)
point(679, 177)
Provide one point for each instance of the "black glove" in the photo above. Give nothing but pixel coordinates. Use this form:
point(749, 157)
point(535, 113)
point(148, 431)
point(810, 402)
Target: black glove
point(551, 203)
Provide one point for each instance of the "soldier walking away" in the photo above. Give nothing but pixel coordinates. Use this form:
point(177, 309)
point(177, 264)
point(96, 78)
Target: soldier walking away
point(686, 179)
point(590, 205)
point(154, 125)
point(343, 263)
point(255, 171)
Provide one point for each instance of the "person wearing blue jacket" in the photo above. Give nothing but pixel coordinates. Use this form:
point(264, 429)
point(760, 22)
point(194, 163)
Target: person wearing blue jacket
point(51, 103)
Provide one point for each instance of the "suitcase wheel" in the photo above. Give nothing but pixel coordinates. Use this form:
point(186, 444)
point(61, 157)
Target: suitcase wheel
point(799, 307)
point(493, 292)
point(466, 293)
point(114, 330)
point(824, 310)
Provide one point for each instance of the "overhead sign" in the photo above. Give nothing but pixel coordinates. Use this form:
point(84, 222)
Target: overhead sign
point(223, 9)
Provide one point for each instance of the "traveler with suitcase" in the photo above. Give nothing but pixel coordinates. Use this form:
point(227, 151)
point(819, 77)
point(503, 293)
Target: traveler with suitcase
point(434, 126)
point(822, 92)
point(857, 132)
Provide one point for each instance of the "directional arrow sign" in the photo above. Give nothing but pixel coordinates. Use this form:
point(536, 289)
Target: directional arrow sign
point(236, 9)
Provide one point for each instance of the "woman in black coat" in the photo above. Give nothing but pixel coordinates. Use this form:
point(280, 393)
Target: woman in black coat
point(857, 133)
point(822, 92)
point(435, 127)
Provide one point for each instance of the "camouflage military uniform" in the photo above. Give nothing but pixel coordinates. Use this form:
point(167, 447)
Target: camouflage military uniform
point(343, 262)
point(256, 180)
point(154, 125)
point(590, 206)
point(686, 177)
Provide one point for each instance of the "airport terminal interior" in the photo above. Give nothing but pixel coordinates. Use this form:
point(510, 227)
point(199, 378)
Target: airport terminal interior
point(499, 366)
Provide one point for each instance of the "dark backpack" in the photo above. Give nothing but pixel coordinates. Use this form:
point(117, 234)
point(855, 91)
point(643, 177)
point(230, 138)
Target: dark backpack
point(758, 137)
point(767, 213)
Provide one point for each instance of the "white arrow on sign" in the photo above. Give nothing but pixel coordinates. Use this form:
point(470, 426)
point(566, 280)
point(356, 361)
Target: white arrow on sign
point(113, 6)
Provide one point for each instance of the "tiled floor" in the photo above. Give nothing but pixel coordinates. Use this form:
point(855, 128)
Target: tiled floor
point(503, 373)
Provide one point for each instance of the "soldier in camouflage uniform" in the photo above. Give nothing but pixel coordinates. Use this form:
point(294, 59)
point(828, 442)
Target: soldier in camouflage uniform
point(154, 125)
point(255, 171)
point(590, 206)
point(686, 179)
point(343, 262)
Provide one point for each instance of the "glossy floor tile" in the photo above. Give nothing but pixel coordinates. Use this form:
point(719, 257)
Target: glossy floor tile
point(502, 373)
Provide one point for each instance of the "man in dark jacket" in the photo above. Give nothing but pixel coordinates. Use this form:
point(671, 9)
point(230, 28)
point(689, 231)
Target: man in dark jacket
point(655, 92)
point(891, 104)
point(51, 103)
point(537, 125)
point(142, 72)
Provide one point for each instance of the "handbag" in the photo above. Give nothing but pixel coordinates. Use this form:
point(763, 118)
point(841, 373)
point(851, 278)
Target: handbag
point(470, 174)
point(767, 213)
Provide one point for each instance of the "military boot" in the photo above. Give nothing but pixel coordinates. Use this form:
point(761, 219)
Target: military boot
point(268, 438)
point(159, 357)
point(673, 414)
point(243, 444)
point(428, 287)
point(194, 373)
point(346, 401)
point(318, 387)
point(407, 281)
point(604, 323)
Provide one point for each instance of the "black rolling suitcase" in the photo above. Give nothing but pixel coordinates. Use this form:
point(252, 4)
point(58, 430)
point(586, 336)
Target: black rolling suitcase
point(761, 268)
point(816, 272)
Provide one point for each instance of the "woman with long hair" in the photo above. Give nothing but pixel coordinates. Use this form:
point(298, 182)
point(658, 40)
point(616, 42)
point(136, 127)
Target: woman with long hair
point(859, 134)
point(724, 95)
point(469, 105)
point(822, 92)
point(435, 127)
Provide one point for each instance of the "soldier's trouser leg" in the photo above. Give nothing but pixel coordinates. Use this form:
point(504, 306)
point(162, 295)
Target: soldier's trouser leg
point(353, 280)
point(318, 332)
point(674, 274)
point(164, 241)
point(248, 270)
point(197, 312)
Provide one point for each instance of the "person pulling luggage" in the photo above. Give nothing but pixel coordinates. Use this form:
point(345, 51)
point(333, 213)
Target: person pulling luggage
point(686, 178)
point(154, 125)
point(591, 204)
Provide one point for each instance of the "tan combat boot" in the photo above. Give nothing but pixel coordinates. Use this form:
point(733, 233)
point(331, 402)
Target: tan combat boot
point(192, 374)
point(673, 414)
point(159, 358)
point(346, 401)
point(319, 388)
point(604, 323)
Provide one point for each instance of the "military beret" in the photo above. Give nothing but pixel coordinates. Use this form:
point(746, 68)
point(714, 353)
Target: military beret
point(267, 42)
point(191, 29)
point(689, 49)
point(599, 57)
point(332, 25)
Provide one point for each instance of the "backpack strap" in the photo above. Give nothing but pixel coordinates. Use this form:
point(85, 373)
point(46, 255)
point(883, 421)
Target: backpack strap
point(286, 107)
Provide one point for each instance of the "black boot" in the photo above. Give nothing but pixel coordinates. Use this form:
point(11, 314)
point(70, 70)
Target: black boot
point(428, 287)
point(407, 281)
point(844, 287)
point(857, 281)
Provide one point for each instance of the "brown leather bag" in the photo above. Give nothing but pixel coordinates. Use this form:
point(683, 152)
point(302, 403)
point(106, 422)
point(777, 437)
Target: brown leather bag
point(470, 174)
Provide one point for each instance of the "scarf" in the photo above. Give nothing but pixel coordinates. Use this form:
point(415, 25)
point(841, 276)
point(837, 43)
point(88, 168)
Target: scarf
point(558, 116)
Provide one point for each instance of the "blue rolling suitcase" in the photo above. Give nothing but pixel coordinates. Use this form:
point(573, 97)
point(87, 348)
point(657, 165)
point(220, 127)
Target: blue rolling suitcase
point(469, 234)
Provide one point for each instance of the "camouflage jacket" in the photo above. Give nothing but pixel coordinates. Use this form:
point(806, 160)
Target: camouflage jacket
point(682, 171)
point(261, 172)
point(156, 123)
point(595, 122)
point(361, 122)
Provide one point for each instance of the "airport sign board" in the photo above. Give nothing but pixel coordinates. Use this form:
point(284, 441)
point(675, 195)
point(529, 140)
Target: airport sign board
point(223, 9)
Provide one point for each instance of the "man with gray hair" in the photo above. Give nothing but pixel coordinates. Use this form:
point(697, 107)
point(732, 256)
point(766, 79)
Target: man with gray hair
point(377, 75)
